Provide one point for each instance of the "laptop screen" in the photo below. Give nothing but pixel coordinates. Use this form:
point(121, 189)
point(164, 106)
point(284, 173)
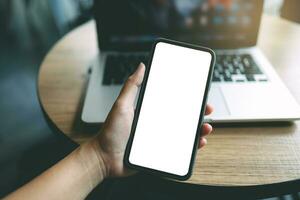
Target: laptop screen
point(134, 24)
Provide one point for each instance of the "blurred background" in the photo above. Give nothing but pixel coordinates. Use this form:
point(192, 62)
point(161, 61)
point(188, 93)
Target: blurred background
point(28, 29)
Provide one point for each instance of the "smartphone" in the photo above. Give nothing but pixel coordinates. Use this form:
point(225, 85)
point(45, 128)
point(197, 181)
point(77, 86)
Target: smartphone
point(170, 107)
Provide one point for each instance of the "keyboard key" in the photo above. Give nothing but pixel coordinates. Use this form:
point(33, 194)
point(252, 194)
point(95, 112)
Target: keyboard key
point(260, 77)
point(227, 76)
point(250, 77)
point(216, 79)
point(239, 78)
point(226, 79)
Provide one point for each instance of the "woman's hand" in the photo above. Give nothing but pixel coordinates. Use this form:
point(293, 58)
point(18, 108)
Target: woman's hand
point(112, 140)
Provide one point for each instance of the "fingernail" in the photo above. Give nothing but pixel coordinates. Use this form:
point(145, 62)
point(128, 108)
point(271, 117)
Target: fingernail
point(139, 67)
point(141, 64)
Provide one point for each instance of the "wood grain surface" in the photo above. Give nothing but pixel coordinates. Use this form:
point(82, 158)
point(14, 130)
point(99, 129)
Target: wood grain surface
point(245, 154)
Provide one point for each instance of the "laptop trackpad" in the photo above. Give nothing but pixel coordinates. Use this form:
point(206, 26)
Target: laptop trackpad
point(216, 99)
point(253, 99)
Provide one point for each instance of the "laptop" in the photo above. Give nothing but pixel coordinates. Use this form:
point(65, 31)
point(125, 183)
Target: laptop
point(245, 86)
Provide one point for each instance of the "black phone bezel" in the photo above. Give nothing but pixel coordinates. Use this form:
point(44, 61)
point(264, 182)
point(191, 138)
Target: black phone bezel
point(139, 104)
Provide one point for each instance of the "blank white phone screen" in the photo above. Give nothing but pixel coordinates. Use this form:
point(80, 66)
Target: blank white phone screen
point(167, 124)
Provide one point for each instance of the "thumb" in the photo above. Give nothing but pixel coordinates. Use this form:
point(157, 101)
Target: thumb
point(130, 88)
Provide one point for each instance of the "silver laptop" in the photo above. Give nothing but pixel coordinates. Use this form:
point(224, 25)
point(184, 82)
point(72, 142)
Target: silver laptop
point(245, 86)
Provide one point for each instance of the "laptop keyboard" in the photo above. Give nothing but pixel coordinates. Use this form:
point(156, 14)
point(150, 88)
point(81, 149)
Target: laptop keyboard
point(228, 68)
point(237, 68)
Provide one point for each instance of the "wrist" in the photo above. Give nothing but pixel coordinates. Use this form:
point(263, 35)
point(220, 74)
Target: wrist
point(93, 162)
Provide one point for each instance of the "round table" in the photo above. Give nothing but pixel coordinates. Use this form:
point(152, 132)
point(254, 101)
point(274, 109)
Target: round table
point(236, 154)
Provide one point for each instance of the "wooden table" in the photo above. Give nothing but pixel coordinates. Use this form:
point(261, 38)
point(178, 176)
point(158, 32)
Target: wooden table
point(252, 154)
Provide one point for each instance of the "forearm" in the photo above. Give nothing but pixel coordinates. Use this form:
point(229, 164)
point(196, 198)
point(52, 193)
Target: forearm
point(74, 177)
